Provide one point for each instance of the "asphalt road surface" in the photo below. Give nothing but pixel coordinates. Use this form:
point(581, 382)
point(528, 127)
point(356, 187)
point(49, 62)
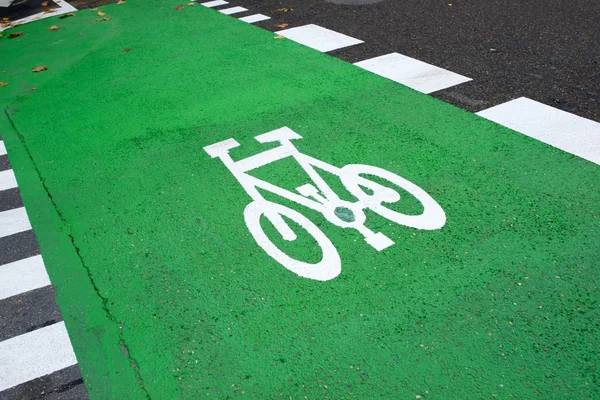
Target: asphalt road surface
point(548, 51)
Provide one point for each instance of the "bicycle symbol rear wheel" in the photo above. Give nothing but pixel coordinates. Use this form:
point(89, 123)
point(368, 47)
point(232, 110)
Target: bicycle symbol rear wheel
point(433, 216)
point(330, 265)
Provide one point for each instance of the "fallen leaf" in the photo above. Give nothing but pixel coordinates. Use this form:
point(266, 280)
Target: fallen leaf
point(45, 4)
point(285, 9)
point(53, 28)
point(39, 69)
point(14, 35)
point(127, 50)
point(95, 9)
point(3, 84)
point(121, 2)
point(48, 11)
point(67, 15)
point(4, 24)
point(5, 19)
point(103, 19)
point(191, 4)
point(282, 25)
point(101, 14)
point(178, 8)
point(279, 37)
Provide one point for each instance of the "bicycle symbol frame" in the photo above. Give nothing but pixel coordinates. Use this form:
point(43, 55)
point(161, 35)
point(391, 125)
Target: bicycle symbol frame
point(320, 197)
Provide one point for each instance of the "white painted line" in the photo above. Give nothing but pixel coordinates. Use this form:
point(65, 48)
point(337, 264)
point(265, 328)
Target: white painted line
point(2, 148)
point(415, 74)
point(254, 18)
point(7, 180)
point(319, 38)
point(22, 276)
point(215, 3)
point(560, 129)
point(63, 8)
point(13, 221)
point(35, 354)
point(233, 10)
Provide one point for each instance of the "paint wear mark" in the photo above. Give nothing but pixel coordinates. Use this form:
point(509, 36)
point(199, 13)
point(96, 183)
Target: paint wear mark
point(321, 198)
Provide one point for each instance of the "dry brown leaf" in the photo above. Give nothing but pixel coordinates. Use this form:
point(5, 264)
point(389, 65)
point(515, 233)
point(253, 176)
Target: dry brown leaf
point(279, 37)
point(285, 9)
point(127, 50)
point(3, 83)
point(95, 9)
point(4, 24)
point(121, 2)
point(103, 19)
point(6, 19)
point(67, 15)
point(101, 14)
point(53, 28)
point(48, 11)
point(179, 8)
point(39, 68)
point(282, 25)
point(15, 34)
point(45, 4)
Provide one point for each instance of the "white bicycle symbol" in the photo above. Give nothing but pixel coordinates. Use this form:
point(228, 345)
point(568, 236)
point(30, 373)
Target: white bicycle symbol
point(322, 199)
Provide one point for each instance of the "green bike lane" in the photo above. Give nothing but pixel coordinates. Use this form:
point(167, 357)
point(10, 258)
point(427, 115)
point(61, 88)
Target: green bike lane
point(166, 294)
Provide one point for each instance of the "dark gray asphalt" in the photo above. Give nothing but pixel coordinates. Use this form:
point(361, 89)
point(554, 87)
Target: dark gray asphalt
point(548, 50)
point(65, 384)
point(27, 312)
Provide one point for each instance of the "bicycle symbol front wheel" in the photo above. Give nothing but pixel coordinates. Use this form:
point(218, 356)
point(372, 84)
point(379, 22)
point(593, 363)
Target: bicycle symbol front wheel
point(330, 265)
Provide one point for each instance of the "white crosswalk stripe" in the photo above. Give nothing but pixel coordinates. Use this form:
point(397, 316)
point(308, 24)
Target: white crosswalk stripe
point(35, 354)
point(13, 221)
point(568, 132)
point(319, 38)
point(215, 3)
point(233, 10)
point(254, 18)
point(415, 74)
point(7, 180)
point(22, 276)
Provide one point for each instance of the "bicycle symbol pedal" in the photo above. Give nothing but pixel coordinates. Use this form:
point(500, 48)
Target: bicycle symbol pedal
point(320, 197)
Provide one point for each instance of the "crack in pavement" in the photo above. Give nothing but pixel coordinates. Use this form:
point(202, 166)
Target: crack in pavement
point(122, 345)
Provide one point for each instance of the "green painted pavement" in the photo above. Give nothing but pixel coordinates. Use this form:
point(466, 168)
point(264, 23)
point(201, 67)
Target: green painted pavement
point(167, 295)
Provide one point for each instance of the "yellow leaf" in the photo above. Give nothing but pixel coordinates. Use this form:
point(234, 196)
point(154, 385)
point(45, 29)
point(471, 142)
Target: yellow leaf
point(53, 28)
point(3, 83)
point(101, 14)
point(39, 69)
point(279, 37)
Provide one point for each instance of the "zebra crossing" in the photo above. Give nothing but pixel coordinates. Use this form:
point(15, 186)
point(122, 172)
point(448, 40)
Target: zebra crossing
point(36, 356)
